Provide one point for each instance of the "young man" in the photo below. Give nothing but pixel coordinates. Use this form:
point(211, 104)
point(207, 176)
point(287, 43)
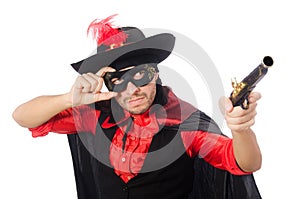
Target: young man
point(139, 140)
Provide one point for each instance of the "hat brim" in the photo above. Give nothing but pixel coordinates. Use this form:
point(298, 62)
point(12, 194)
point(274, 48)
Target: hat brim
point(153, 49)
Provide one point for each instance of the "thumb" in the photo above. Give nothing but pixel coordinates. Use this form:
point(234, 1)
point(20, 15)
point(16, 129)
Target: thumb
point(225, 105)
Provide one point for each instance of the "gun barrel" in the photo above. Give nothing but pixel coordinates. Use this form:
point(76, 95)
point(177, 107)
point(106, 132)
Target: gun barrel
point(241, 90)
point(267, 62)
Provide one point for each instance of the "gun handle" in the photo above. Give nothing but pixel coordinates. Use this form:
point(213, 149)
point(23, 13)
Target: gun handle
point(243, 102)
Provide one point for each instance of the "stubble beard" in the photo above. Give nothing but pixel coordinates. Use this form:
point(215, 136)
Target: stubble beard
point(142, 108)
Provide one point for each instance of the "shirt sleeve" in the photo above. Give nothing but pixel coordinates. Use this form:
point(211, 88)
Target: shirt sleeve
point(69, 121)
point(215, 149)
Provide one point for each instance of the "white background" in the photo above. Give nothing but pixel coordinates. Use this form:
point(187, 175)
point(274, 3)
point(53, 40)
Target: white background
point(39, 39)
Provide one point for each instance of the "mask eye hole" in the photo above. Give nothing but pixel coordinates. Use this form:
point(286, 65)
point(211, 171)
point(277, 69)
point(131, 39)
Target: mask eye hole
point(139, 75)
point(117, 81)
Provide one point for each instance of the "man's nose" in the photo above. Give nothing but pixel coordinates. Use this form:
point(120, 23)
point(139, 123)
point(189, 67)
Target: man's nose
point(131, 88)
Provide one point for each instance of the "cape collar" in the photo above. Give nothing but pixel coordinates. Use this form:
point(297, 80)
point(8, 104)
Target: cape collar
point(172, 113)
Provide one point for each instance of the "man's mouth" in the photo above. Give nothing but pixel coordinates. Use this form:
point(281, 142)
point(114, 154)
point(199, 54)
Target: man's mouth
point(135, 101)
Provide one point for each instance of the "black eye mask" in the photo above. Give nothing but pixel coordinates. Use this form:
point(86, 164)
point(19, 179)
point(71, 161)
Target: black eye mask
point(139, 76)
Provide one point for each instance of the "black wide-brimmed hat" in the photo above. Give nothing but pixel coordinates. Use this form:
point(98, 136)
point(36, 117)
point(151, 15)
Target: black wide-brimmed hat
point(123, 47)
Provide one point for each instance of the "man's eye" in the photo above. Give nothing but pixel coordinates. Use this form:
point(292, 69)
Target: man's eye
point(117, 81)
point(139, 75)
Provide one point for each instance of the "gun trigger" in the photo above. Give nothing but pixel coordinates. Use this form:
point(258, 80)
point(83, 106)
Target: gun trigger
point(245, 104)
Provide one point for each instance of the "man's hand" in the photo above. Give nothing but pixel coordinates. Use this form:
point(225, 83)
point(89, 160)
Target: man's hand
point(87, 88)
point(238, 119)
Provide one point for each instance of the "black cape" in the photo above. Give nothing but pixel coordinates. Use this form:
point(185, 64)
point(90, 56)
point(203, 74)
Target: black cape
point(209, 182)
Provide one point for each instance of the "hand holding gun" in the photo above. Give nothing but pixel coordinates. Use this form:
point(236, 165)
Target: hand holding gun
point(241, 91)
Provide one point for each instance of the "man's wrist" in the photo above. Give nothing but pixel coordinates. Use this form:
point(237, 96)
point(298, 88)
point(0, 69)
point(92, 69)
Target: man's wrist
point(242, 132)
point(67, 100)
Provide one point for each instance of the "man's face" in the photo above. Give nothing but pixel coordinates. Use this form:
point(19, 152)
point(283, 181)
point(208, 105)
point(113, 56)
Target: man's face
point(134, 99)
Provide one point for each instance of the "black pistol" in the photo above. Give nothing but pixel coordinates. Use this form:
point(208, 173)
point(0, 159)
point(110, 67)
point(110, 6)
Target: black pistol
point(241, 91)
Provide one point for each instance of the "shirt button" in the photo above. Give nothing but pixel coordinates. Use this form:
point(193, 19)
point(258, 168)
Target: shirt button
point(123, 159)
point(132, 138)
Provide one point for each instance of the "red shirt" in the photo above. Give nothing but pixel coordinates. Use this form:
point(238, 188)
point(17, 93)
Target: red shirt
point(215, 149)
